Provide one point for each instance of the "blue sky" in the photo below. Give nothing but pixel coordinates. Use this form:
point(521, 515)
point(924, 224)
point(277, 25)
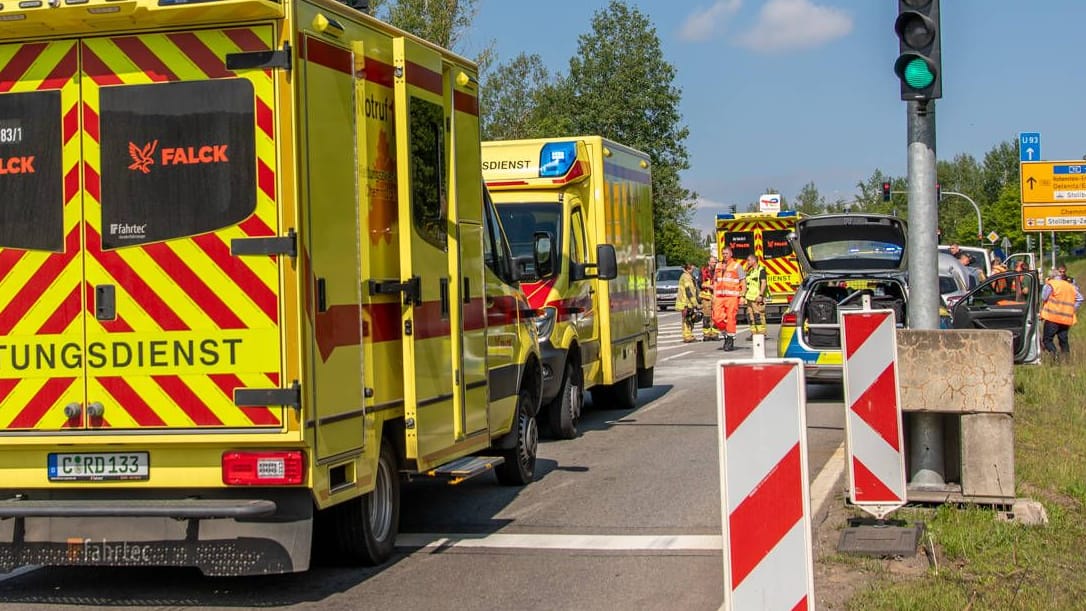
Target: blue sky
point(778, 93)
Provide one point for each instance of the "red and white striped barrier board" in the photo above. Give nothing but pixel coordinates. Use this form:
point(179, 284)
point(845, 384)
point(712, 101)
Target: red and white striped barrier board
point(873, 425)
point(766, 507)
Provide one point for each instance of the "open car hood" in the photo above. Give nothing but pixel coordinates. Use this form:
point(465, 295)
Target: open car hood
point(850, 244)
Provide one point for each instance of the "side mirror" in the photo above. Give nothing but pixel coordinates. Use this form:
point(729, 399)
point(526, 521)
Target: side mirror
point(606, 262)
point(544, 253)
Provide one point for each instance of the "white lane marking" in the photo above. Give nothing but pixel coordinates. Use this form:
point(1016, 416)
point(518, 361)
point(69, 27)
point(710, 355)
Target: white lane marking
point(677, 345)
point(19, 572)
point(675, 356)
point(822, 487)
point(567, 542)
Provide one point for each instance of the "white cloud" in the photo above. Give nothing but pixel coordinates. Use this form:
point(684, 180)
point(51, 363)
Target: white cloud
point(703, 22)
point(787, 25)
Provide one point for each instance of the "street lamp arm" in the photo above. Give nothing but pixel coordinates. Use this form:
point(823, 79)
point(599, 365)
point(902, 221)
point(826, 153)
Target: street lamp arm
point(980, 230)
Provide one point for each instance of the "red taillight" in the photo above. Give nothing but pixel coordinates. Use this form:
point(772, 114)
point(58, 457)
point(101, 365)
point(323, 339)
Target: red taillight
point(263, 468)
point(789, 318)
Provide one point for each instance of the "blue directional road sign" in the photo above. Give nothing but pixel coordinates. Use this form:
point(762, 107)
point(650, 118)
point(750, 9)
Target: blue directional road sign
point(1029, 146)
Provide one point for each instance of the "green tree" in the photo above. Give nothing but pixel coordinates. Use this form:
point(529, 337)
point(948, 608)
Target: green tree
point(809, 200)
point(513, 98)
point(1000, 169)
point(869, 196)
point(621, 87)
point(442, 22)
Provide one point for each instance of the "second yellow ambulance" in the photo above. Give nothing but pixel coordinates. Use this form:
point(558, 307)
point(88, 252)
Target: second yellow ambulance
point(598, 327)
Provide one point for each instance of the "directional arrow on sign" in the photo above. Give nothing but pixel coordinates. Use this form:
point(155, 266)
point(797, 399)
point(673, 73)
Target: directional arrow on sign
point(1029, 153)
point(1031, 180)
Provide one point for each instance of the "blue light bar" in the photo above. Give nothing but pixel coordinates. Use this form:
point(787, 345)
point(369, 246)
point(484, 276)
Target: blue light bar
point(786, 213)
point(725, 217)
point(556, 159)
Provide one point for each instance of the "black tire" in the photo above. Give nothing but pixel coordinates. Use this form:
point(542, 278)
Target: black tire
point(363, 530)
point(645, 377)
point(519, 466)
point(564, 411)
point(620, 395)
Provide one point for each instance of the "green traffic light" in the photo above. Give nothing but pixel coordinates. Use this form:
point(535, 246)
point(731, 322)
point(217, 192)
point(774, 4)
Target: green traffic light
point(917, 73)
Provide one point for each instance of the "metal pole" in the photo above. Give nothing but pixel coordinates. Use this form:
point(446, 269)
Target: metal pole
point(1053, 250)
point(926, 434)
point(980, 230)
point(1041, 256)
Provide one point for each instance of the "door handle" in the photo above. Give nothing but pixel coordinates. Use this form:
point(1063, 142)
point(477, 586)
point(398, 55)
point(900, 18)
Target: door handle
point(105, 302)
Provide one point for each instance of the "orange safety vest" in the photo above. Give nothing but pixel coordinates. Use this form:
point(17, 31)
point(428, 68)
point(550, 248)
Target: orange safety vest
point(1060, 305)
point(728, 283)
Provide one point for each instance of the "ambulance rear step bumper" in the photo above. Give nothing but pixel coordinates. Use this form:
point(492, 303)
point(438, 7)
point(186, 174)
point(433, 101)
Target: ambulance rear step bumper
point(222, 532)
point(466, 468)
point(198, 509)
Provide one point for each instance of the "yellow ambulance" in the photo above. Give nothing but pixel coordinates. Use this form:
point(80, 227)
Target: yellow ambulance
point(593, 198)
point(766, 235)
point(249, 275)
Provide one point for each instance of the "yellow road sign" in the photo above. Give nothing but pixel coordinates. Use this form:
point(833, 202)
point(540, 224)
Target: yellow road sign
point(1053, 217)
point(1053, 182)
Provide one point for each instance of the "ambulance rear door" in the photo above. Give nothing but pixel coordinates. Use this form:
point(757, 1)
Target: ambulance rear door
point(139, 274)
point(181, 231)
point(430, 282)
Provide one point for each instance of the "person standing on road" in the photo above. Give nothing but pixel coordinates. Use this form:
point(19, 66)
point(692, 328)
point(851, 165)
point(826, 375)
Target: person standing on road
point(687, 301)
point(1059, 301)
point(727, 290)
point(755, 295)
point(708, 274)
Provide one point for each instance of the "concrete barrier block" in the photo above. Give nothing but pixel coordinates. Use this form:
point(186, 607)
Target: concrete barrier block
point(988, 455)
point(957, 371)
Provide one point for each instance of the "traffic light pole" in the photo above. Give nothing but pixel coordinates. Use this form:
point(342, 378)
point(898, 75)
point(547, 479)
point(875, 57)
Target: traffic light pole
point(926, 433)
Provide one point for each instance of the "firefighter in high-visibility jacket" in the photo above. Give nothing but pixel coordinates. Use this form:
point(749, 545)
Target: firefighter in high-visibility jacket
point(705, 296)
point(727, 289)
point(755, 295)
point(1060, 301)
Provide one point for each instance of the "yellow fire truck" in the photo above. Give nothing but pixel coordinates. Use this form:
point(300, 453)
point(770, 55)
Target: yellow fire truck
point(249, 275)
point(594, 198)
point(766, 235)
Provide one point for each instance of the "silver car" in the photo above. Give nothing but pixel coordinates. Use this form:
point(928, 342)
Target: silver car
point(667, 286)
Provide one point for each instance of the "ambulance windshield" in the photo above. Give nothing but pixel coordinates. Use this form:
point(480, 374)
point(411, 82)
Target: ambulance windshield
point(522, 221)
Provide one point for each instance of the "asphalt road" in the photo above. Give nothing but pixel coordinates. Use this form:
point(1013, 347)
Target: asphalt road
point(625, 516)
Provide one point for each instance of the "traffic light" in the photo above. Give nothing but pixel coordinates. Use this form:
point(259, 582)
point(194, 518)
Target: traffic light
point(918, 64)
point(885, 191)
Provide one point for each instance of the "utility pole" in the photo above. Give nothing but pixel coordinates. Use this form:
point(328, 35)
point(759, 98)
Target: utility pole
point(919, 67)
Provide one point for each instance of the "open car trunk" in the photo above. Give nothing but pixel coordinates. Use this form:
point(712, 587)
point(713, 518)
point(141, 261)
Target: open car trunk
point(821, 329)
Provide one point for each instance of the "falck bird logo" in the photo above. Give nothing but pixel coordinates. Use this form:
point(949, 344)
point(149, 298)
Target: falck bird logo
point(142, 158)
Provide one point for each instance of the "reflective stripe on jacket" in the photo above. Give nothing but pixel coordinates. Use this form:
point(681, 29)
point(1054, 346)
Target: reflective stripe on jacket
point(730, 283)
point(754, 282)
point(1060, 306)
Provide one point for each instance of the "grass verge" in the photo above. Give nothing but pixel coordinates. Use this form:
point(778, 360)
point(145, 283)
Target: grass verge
point(983, 563)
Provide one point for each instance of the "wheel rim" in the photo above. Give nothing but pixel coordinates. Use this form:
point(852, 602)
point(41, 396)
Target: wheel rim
point(529, 439)
point(576, 399)
point(381, 503)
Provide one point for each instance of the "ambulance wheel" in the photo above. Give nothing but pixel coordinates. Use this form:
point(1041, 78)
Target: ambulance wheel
point(519, 466)
point(564, 411)
point(366, 527)
point(620, 395)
